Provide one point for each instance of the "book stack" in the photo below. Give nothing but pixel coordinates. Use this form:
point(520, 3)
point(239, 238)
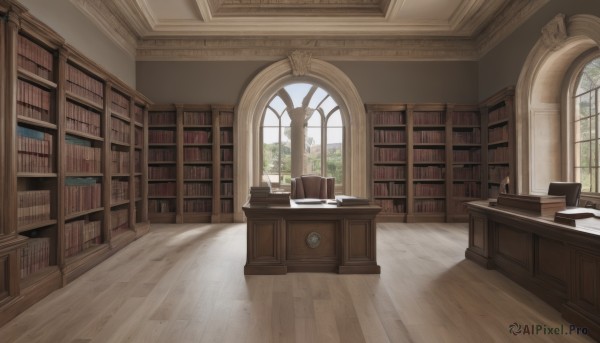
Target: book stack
point(35, 255)
point(263, 195)
point(346, 200)
point(81, 235)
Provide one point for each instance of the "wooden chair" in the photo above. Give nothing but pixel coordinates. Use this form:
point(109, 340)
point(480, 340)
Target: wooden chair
point(313, 186)
point(571, 190)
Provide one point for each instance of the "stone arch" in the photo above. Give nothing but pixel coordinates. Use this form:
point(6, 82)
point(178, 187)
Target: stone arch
point(542, 102)
point(254, 100)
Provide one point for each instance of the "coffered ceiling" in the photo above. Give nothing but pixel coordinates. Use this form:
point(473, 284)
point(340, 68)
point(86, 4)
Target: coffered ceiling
point(329, 29)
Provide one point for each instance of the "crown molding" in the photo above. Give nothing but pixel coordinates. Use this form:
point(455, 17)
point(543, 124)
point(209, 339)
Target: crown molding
point(330, 49)
point(506, 22)
point(103, 15)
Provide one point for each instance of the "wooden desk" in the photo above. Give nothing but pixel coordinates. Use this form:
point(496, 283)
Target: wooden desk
point(558, 263)
point(340, 239)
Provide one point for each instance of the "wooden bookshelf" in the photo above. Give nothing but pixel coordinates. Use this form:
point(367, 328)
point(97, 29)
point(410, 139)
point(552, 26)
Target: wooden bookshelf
point(413, 158)
point(190, 163)
point(499, 112)
point(75, 175)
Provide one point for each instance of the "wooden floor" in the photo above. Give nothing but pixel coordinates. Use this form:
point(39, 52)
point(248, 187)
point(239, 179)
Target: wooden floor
point(185, 283)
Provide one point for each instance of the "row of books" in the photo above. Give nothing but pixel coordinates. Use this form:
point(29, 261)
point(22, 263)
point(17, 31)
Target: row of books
point(227, 171)
point(119, 221)
point(34, 58)
point(429, 136)
point(430, 189)
point(391, 205)
point(499, 154)
point(82, 194)
point(466, 172)
point(226, 119)
point(226, 137)
point(498, 134)
point(389, 154)
point(81, 235)
point(137, 161)
point(139, 136)
point(82, 157)
point(35, 255)
point(162, 172)
point(429, 155)
point(162, 118)
point(197, 205)
point(161, 136)
point(389, 118)
point(197, 172)
point(227, 189)
point(197, 137)
point(197, 118)
point(198, 189)
point(389, 189)
point(34, 102)
point(119, 162)
point(84, 85)
point(119, 190)
point(429, 172)
point(138, 187)
point(471, 155)
point(161, 155)
point(429, 118)
point(81, 119)
point(138, 113)
point(161, 205)
point(119, 131)
point(466, 189)
point(497, 173)
point(498, 114)
point(389, 136)
point(227, 206)
point(119, 103)
point(197, 154)
point(227, 155)
point(467, 137)
point(162, 189)
point(33, 206)
point(470, 118)
point(34, 151)
point(389, 172)
point(429, 205)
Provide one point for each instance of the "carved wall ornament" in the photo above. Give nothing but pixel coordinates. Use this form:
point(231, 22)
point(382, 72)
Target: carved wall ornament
point(555, 32)
point(300, 62)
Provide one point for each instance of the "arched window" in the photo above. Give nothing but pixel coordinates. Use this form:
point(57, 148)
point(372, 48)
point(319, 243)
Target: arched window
point(319, 122)
point(587, 127)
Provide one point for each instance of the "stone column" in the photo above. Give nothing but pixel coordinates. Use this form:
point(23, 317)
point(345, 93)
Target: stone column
point(298, 116)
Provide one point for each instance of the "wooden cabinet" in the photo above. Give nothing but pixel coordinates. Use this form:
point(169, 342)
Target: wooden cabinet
point(74, 141)
point(191, 163)
point(428, 160)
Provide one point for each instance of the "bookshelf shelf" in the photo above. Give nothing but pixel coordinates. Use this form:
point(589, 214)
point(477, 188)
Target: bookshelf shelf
point(29, 76)
point(36, 225)
point(120, 116)
point(36, 175)
point(119, 203)
point(84, 101)
point(37, 123)
point(84, 135)
point(83, 213)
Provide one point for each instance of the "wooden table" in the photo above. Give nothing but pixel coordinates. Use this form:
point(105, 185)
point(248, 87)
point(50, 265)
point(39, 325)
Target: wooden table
point(558, 263)
point(311, 238)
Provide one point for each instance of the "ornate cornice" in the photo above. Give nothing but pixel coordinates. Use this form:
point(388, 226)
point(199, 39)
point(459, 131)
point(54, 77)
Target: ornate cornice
point(506, 22)
point(102, 14)
point(554, 33)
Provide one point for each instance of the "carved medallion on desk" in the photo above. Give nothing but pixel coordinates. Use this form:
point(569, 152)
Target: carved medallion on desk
point(313, 240)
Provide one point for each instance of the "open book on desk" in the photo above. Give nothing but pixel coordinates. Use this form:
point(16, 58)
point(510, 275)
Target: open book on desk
point(347, 200)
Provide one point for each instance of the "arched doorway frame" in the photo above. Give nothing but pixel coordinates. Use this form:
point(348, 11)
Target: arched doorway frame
point(254, 101)
point(542, 101)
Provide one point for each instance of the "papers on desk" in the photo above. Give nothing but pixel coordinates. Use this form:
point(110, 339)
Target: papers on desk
point(346, 200)
point(309, 201)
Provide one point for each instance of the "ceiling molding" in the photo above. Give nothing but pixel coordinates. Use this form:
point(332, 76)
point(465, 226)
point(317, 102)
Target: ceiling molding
point(133, 26)
point(329, 49)
point(506, 22)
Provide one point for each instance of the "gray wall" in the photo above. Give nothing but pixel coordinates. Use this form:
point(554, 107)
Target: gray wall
point(502, 65)
point(63, 17)
point(377, 82)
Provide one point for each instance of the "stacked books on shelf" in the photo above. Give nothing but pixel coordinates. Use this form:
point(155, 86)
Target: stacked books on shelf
point(33, 206)
point(119, 220)
point(33, 102)
point(35, 255)
point(82, 194)
point(81, 235)
point(34, 151)
point(34, 58)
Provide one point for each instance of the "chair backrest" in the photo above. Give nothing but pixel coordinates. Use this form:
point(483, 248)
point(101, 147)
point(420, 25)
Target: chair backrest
point(313, 186)
point(571, 191)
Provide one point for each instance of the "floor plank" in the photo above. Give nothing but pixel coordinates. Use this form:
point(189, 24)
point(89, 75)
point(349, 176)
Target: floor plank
point(185, 283)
